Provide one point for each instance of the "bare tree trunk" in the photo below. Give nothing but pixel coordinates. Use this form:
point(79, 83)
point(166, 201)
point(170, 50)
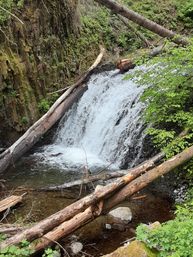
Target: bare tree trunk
point(105, 205)
point(34, 133)
point(142, 21)
point(54, 220)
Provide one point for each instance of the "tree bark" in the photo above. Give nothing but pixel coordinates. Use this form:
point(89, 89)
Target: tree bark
point(70, 211)
point(144, 22)
point(105, 205)
point(10, 202)
point(34, 133)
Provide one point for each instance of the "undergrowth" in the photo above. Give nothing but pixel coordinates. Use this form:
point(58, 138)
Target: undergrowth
point(169, 112)
point(173, 238)
point(23, 250)
point(6, 8)
point(169, 99)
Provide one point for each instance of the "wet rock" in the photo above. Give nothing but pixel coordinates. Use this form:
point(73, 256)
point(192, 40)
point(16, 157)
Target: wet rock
point(120, 215)
point(154, 225)
point(76, 247)
point(108, 226)
point(93, 229)
point(134, 249)
point(125, 65)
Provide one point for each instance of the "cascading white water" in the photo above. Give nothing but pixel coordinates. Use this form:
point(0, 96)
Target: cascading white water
point(102, 129)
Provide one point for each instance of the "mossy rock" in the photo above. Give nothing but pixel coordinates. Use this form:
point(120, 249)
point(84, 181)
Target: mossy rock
point(135, 249)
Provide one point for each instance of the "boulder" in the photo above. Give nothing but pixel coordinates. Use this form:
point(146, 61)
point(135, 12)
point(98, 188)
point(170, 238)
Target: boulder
point(134, 249)
point(120, 215)
point(125, 65)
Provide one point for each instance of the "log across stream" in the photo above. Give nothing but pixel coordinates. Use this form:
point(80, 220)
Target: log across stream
point(38, 205)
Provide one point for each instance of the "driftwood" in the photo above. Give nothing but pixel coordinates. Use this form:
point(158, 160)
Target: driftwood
point(104, 176)
point(10, 229)
point(34, 133)
point(144, 22)
point(54, 220)
point(105, 205)
point(9, 202)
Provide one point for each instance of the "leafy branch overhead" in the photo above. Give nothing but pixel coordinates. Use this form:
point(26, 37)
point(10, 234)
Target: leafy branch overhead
point(169, 99)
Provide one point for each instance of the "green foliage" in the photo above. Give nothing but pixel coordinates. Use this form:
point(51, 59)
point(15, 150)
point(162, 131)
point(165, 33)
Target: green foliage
point(185, 10)
point(23, 250)
point(7, 7)
point(98, 29)
point(49, 253)
point(43, 105)
point(3, 14)
point(24, 120)
point(169, 99)
point(174, 238)
point(17, 251)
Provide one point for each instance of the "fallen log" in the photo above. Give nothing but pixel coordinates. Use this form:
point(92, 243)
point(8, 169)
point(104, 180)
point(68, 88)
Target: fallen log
point(84, 181)
point(107, 175)
point(40, 127)
point(10, 229)
point(144, 22)
point(105, 205)
point(9, 202)
point(70, 211)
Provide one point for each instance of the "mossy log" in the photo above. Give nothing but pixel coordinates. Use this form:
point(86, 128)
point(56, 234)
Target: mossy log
point(36, 131)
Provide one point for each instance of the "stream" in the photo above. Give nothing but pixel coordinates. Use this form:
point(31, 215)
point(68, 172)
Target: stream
point(103, 130)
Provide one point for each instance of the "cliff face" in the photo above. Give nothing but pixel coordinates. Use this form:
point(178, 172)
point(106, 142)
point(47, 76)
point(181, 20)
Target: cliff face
point(34, 61)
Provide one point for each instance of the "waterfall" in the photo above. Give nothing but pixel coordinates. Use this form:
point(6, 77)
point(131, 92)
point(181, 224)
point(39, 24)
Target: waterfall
point(103, 129)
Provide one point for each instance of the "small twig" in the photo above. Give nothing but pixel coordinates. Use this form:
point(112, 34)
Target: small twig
point(128, 240)
point(139, 197)
point(80, 192)
point(13, 15)
point(59, 91)
point(6, 213)
point(93, 246)
point(87, 254)
point(103, 169)
point(53, 241)
point(45, 6)
point(7, 37)
point(28, 215)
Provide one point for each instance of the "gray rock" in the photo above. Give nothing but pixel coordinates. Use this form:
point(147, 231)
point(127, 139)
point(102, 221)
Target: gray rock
point(121, 214)
point(108, 226)
point(76, 247)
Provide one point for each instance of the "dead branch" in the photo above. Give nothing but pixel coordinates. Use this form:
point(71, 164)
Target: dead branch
point(107, 175)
